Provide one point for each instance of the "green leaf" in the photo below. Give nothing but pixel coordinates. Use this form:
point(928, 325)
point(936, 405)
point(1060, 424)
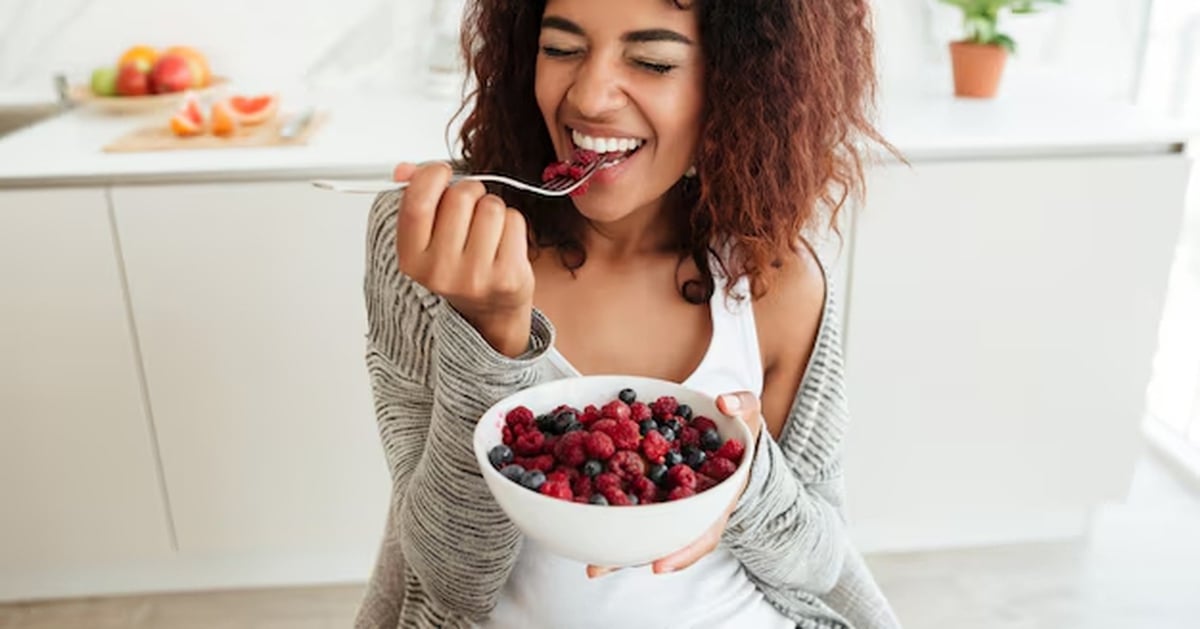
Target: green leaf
point(1007, 42)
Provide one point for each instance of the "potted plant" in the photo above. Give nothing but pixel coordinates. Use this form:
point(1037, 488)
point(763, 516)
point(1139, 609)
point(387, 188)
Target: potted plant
point(979, 57)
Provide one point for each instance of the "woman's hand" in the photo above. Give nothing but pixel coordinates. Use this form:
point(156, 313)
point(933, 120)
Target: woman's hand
point(742, 405)
point(469, 247)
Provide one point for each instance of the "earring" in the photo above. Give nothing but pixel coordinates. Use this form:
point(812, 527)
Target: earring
point(691, 172)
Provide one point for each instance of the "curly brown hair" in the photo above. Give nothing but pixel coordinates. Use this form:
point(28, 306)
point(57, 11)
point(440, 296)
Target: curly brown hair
point(789, 95)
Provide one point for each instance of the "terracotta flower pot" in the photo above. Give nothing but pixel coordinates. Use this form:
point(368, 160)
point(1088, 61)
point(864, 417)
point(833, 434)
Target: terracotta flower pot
point(977, 68)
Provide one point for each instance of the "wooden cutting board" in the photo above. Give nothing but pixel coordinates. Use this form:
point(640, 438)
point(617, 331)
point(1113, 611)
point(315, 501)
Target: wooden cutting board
point(160, 138)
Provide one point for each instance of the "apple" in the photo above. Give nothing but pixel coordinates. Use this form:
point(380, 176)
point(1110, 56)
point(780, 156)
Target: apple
point(104, 81)
point(132, 80)
point(172, 73)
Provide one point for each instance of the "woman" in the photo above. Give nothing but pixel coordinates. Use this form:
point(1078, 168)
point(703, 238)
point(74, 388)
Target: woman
point(738, 124)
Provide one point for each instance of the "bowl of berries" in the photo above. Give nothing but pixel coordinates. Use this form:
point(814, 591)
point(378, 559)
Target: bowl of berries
point(612, 470)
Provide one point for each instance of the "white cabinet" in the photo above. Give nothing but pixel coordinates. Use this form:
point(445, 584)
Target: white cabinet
point(248, 303)
point(80, 497)
point(1002, 321)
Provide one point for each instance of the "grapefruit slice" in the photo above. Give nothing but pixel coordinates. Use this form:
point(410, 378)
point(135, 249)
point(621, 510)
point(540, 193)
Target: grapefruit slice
point(252, 110)
point(224, 120)
point(189, 120)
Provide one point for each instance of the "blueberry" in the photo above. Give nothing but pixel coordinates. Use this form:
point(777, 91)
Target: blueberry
point(673, 458)
point(573, 426)
point(593, 468)
point(628, 396)
point(513, 472)
point(500, 456)
point(545, 423)
point(633, 499)
point(563, 421)
point(647, 425)
point(657, 474)
point(693, 456)
point(533, 479)
point(667, 434)
point(673, 424)
point(710, 440)
point(684, 411)
point(598, 499)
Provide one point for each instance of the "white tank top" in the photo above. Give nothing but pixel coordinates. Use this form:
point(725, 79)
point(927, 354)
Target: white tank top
point(548, 591)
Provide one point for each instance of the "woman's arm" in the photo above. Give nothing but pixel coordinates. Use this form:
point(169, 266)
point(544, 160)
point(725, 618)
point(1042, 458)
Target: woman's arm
point(433, 375)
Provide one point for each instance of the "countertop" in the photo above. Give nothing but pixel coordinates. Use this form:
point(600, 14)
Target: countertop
point(366, 134)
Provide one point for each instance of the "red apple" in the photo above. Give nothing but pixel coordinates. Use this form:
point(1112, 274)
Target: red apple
point(132, 80)
point(172, 73)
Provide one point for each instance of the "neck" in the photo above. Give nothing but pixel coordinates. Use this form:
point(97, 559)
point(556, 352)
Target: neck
point(646, 231)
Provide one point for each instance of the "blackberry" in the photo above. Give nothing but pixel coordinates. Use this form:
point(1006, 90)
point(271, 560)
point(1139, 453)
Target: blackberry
point(647, 425)
point(628, 396)
point(684, 411)
point(593, 468)
point(513, 472)
point(598, 499)
point(533, 479)
point(545, 423)
point(657, 473)
point(672, 459)
point(500, 456)
point(710, 440)
point(693, 456)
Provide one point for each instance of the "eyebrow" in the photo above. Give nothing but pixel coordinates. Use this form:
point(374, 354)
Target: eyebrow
point(633, 37)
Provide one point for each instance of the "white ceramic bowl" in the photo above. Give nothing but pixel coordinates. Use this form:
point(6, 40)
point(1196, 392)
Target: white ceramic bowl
point(608, 535)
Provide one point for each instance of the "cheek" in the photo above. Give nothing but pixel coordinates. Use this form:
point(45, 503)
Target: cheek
point(548, 91)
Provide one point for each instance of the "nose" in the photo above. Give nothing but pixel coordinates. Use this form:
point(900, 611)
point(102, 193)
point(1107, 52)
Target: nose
point(597, 88)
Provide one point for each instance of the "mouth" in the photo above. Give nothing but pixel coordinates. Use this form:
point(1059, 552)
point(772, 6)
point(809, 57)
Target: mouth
point(613, 150)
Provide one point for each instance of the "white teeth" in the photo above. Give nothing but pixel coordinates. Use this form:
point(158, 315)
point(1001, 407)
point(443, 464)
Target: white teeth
point(604, 145)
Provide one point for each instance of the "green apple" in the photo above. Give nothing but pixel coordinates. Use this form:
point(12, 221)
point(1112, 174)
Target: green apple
point(104, 81)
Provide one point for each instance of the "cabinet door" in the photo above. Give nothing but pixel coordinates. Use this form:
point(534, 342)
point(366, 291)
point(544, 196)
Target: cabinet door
point(1003, 317)
point(248, 302)
point(79, 486)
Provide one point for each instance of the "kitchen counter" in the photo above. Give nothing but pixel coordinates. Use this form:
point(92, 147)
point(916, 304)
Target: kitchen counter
point(365, 135)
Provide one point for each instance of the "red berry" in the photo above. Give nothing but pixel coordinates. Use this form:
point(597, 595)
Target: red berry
point(615, 409)
point(550, 172)
point(530, 443)
point(732, 450)
point(569, 449)
point(557, 489)
point(719, 468)
point(575, 172)
point(664, 407)
point(644, 489)
point(607, 480)
point(626, 435)
point(628, 465)
point(682, 476)
point(544, 462)
point(639, 411)
point(584, 157)
point(599, 446)
point(508, 437)
point(583, 487)
point(655, 446)
point(602, 425)
point(589, 414)
point(615, 496)
point(690, 437)
point(549, 443)
point(703, 424)
point(704, 483)
point(680, 493)
point(519, 416)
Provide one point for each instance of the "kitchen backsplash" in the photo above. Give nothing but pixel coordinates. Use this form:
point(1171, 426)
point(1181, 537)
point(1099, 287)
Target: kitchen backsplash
point(371, 44)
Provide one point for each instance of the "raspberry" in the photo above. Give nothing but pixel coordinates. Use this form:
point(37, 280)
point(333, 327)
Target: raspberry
point(584, 157)
point(627, 465)
point(681, 492)
point(569, 449)
point(644, 489)
point(589, 414)
point(704, 483)
point(557, 489)
point(602, 425)
point(718, 468)
point(703, 424)
point(548, 444)
point(544, 462)
point(569, 474)
point(530, 443)
point(519, 416)
point(550, 172)
point(664, 407)
point(625, 435)
point(638, 411)
point(558, 474)
point(682, 476)
point(575, 172)
point(583, 487)
point(599, 446)
point(508, 437)
point(615, 497)
point(607, 480)
point(690, 437)
point(655, 446)
point(615, 409)
point(732, 450)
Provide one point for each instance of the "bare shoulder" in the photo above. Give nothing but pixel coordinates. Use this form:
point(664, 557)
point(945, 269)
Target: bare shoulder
point(788, 319)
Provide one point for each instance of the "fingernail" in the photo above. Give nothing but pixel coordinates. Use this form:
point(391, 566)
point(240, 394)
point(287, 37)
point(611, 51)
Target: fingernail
point(732, 403)
point(665, 569)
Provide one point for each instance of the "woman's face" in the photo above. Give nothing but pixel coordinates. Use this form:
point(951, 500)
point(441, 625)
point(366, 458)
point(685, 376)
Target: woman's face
point(616, 74)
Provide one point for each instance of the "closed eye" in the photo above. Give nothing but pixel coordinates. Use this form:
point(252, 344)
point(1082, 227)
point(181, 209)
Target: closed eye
point(551, 51)
point(658, 68)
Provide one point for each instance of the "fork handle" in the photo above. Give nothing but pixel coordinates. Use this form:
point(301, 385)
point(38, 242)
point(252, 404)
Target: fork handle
point(361, 187)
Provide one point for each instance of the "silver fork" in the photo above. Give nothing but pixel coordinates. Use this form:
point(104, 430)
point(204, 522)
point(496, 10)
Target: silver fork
point(557, 187)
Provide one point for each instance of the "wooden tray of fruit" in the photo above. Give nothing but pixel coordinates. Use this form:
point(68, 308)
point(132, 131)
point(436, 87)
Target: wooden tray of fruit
point(147, 80)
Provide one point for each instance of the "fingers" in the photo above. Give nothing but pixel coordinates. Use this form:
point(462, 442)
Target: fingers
point(744, 405)
point(595, 572)
point(487, 226)
point(403, 171)
point(513, 244)
point(453, 220)
point(414, 221)
point(690, 554)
